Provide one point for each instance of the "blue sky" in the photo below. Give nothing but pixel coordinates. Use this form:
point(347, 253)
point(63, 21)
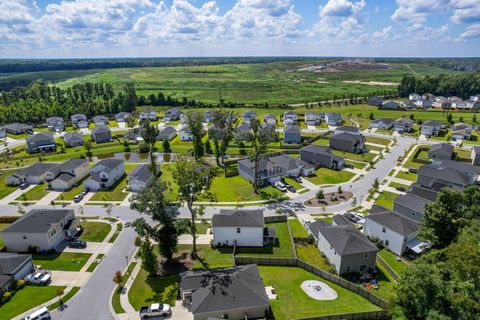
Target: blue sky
point(132, 28)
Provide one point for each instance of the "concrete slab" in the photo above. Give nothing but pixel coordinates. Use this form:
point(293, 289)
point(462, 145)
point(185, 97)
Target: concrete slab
point(69, 278)
point(201, 239)
point(92, 247)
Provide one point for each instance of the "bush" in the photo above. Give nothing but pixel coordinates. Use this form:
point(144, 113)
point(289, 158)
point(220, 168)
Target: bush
point(170, 294)
point(7, 295)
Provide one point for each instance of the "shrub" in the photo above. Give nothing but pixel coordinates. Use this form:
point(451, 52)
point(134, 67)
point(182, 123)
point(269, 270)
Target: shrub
point(170, 294)
point(7, 295)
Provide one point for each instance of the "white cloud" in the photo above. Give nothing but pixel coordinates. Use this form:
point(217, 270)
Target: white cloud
point(466, 11)
point(416, 11)
point(471, 32)
point(341, 8)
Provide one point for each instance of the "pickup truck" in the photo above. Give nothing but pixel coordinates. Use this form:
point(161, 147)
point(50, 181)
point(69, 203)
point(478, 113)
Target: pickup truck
point(155, 310)
point(38, 278)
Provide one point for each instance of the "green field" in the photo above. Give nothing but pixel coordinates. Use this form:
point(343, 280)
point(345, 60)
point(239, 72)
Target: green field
point(65, 261)
point(329, 176)
point(95, 231)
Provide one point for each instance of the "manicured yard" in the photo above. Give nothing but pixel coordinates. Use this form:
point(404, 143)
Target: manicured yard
point(26, 299)
point(375, 148)
point(2, 226)
point(396, 184)
point(70, 194)
point(65, 298)
point(463, 155)
point(293, 183)
point(311, 254)
point(355, 156)
point(117, 307)
point(146, 290)
point(95, 231)
point(329, 176)
point(36, 193)
point(65, 261)
point(292, 300)
point(203, 226)
point(391, 260)
point(282, 249)
point(386, 199)
point(355, 164)
point(114, 194)
point(4, 189)
point(321, 142)
point(298, 230)
point(378, 140)
point(167, 177)
point(407, 176)
point(210, 257)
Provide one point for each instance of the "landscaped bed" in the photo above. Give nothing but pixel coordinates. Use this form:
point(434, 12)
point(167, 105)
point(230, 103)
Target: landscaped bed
point(329, 176)
point(65, 261)
point(94, 231)
point(330, 199)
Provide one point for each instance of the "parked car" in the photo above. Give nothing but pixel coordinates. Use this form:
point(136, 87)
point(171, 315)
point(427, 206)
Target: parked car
point(41, 314)
point(24, 186)
point(78, 198)
point(77, 243)
point(85, 191)
point(297, 179)
point(40, 278)
point(155, 310)
point(354, 217)
point(402, 189)
point(359, 217)
point(290, 188)
point(413, 170)
point(348, 165)
point(280, 186)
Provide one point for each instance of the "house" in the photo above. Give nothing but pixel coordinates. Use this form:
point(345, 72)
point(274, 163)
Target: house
point(290, 117)
point(40, 229)
point(3, 132)
point(448, 174)
point(428, 96)
point(424, 104)
point(430, 128)
point(475, 155)
point(347, 141)
point(149, 115)
point(41, 142)
point(390, 105)
point(172, 114)
point(321, 156)
point(424, 192)
point(408, 105)
point(441, 151)
point(214, 133)
point(133, 135)
point(249, 115)
point(414, 97)
point(345, 248)
point(34, 174)
point(270, 119)
point(268, 172)
point(347, 129)
point(383, 123)
point(475, 98)
point(186, 134)
point(208, 116)
point(396, 231)
point(472, 105)
point(292, 167)
point(18, 128)
point(100, 120)
point(333, 119)
point(235, 293)
point(461, 131)
point(292, 134)
point(68, 174)
point(375, 101)
point(78, 117)
point(243, 132)
point(122, 116)
point(82, 124)
point(141, 177)
point(55, 124)
point(312, 119)
point(167, 133)
point(13, 267)
point(243, 228)
point(403, 125)
point(410, 205)
point(441, 103)
point(105, 174)
point(461, 105)
point(73, 139)
point(101, 134)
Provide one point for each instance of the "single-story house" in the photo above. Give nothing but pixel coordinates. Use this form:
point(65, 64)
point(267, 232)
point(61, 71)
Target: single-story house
point(249, 115)
point(390, 105)
point(403, 125)
point(73, 139)
point(408, 105)
point(235, 293)
point(292, 134)
point(441, 151)
point(396, 231)
point(68, 174)
point(18, 128)
point(34, 174)
point(431, 128)
point(101, 134)
point(122, 116)
point(312, 119)
point(333, 119)
point(347, 129)
point(448, 174)
point(167, 133)
point(105, 174)
point(383, 123)
point(13, 267)
point(55, 124)
point(424, 103)
point(410, 205)
point(100, 120)
point(141, 177)
point(375, 101)
point(41, 142)
point(149, 115)
point(40, 229)
point(76, 118)
point(186, 134)
point(349, 142)
point(321, 156)
point(172, 114)
point(270, 119)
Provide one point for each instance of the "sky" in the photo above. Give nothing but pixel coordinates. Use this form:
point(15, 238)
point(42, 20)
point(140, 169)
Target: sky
point(179, 28)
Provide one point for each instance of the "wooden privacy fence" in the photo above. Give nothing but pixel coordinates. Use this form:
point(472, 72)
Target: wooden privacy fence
point(278, 218)
point(384, 264)
point(371, 315)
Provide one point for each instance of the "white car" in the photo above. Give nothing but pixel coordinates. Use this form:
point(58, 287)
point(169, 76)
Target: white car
point(280, 186)
point(155, 310)
point(41, 314)
point(38, 278)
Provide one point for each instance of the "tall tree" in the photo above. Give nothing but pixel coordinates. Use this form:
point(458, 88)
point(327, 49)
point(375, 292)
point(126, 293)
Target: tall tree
point(149, 260)
point(194, 122)
point(261, 137)
point(149, 133)
point(224, 124)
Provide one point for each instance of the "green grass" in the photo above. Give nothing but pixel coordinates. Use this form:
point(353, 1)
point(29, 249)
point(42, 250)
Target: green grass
point(391, 260)
point(65, 299)
point(209, 257)
point(282, 249)
point(146, 290)
point(4, 189)
point(119, 229)
point(70, 194)
point(36, 193)
point(378, 140)
point(203, 226)
point(463, 155)
point(65, 261)
point(374, 148)
point(27, 298)
point(386, 199)
point(355, 164)
point(329, 176)
point(95, 231)
point(311, 254)
point(117, 306)
point(367, 157)
point(298, 230)
point(396, 184)
point(2, 226)
point(292, 300)
point(114, 194)
point(406, 176)
point(293, 183)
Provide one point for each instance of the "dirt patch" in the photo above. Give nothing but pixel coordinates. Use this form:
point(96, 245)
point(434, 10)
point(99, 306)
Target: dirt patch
point(331, 199)
point(340, 66)
point(181, 262)
point(372, 83)
point(318, 290)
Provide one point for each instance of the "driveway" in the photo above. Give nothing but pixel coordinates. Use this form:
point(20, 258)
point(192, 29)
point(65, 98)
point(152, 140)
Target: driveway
point(69, 278)
point(92, 247)
point(201, 239)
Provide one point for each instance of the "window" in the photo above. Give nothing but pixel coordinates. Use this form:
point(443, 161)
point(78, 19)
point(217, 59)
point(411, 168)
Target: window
point(238, 230)
point(384, 229)
point(363, 267)
point(365, 255)
point(387, 242)
point(349, 268)
point(24, 237)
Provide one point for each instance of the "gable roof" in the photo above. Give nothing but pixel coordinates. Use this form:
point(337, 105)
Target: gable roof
point(404, 121)
point(38, 220)
point(10, 262)
point(142, 173)
point(442, 149)
point(68, 165)
point(41, 136)
point(345, 136)
point(292, 129)
point(36, 169)
point(392, 220)
point(238, 287)
point(238, 218)
point(412, 201)
point(100, 118)
point(433, 123)
point(348, 129)
point(315, 226)
point(72, 137)
point(318, 149)
point(387, 121)
point(333, 115)
point(347, 240)
point(167, 131)
point(101, 128)
point(109, 164)
point(287, 162)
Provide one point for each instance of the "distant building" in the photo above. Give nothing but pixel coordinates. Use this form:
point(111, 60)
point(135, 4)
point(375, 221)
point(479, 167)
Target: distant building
point(249, 115)
point(292, 134)
point(383, 123)
point(375, 101)
point(390, 105)
point(55, 124)
point(290, 116)
point(347, 139)
point(149, 115)
point(18, 128)
point(172, 114)
point(448, 174)
point(475, 155)
point(403, 125)
point(102, 134)
point(167, 133)
point(461, 131)
point(208, 116)
point(73, 139)
point(67, 174)
point(76, 118)
point(186, 134)
point(41, 142)
point(321, 156)
point(431, 128)
point(34, 174)
point(410, 205)
point(333, 119)
point(100, 120)
point(3, 132)
point(270, 119)
point(312, 119)
point(414, 97)
point(441, 151)
point(243, 132)
point(122, 116)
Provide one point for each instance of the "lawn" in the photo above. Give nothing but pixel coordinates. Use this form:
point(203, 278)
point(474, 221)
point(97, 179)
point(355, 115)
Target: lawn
point(4, 189)
point(329, 176)
point(95, 231)
point(293, 183)
point(27, 298)
point(210, 257)
point(367, 157)
point(396, 184)
point(36, 193)
point(355, 164)
point(311, 254)
point(117, 307)
point(407, 176)
point(292, 300)
point(65, 261)
point(146, 290)
point(463, 155)
point(378, 140)
point(298, 230)
point(203, 226)
point(391, 260)
point(65, 298)
point(114, 194)
point(386, 199)
point(2, 226)
point(282, 249)
point(70, 194)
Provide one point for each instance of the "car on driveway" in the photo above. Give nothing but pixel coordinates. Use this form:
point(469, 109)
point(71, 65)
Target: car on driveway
point(77, 243)
point(85, 191)
point(24, 186)
point(402, 189)
point(297, 179)
point(155, 310)
point(280, 186)
point(39, 278)
point(290, 188)
point(78, 198)
point(354, 217)
point(413, 170)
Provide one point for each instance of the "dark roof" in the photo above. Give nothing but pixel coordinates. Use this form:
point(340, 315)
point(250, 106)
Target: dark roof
point(10, 262)
point(315, 148)
point(348, 129)
point(167, 131)
point(404, 121)
point(35, 169)
point(444, 173)
point(238, 218)
point(384, 120)
point(442, 149)
point(433, 123)
point(142, 173)
point(109, 164)
point(68, 165)
point(270, 116)
point(393, 221)
point(292, 129)
point(412, 201)
point(476, 149)
point(244, 128)
point(333, 114)
point(4, 280)
point(17, 126)
point(287, 162)
point(38, 220)
point(100, 118)
point(101, 129)
point(346, 239)
point(41, 136)
point(238, 287)
point(345, 136)
point(315, 226)
point(72, 137)
point(78, 116)
point(340, 220)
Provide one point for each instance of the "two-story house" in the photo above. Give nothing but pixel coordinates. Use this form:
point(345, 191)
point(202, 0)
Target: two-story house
point(122, 116)
point(382, 123)
point(347, 139)
point(333, 119)
point(441, 151)
point(100, 120)
point(41, 142)
point(403, 125)
point(270, 119)
point(55, 124)
point(105, 174)
point(34, 174)
point(431, 128)
point(18, 128)
point(141, 177)
point(249, 115)
point(101, 134)
point(73, 139)
point(292, 134)
point(312, 119)
point(173, 114)
point(290, 117)
point(77, 118)
point(68, 174)
point(321, 156)
point(149, 115)
point(167, 133)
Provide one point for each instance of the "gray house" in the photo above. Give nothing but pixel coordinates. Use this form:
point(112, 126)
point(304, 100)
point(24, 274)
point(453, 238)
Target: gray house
point(13, 267)
point(18, 128)
point(292, 134)
point(100, 120)
point(292, 167)
point(3, 132)
point(208, 116)
point(333, 119)
point(141, 177)
point(383, 123)
point(55, 124)
point(249, 115)
point(349, 142)
point(68, 174)
point(167, 133)
point(321, 156)
point(448, 174)
point(375, 101)
point(312, 119)
point(403, 125)
point(76, 118)
point(105, 174)
point(73, 139)
point(410, 205)
point(34, 174)
point(268, 173)
point(441, 151)
point(243, 132)
point(122, 116)
point(390, 105)
point(475, 155)
point(270, 119)
point(41, 142)
point(172, 114)
point(461, 131)
point(290, 117)
point(149, 115)
point(431, 128)
point(235, 293)
point(101, 134)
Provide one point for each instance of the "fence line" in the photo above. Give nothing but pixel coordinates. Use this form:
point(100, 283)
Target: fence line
point(277, 218)
point(387, 267)
point(371, 315)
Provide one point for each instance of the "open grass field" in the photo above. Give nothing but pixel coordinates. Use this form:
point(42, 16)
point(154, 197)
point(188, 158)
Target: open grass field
point(292, 300)
point(329, 176)
point(94, 231)
point(65, 261)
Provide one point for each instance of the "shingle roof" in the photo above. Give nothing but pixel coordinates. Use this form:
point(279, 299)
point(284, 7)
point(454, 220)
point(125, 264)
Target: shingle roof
point(412, 201)
point(10, 262)
point(340, 220)
point(109, 164)
point(404, 121)
point(101, 129)
point(238, 218)
point(442, 149)
point(444, 173)
point(348, 129)
point(345, 136)
point(38, 220)
point(346, 240)
point(333, 115)
point(287, 162)
point(315, 226)
point(433, 123)
point(35, 169)
point(384, 120)
point(141, 173)
point(167, 131)
point(68, 166)
point(292, 129)
point(41, 136)
point(315, 148)
point(72, 137)
point(393, 221)
point(238, 287)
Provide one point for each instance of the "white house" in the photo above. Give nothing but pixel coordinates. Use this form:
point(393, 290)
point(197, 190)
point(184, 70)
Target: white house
point(41, 229)
point(291, 116)
point(312, 119)
point(383, 123)
point(396, 231)
point(414, 97)
point(431, 128)
point(34, 174)
point(141, 177)
point(186, 134)
point(66, 175)
point(333, 119)
point(105, 174)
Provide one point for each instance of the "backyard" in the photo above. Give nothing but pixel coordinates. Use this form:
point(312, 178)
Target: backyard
point(298, 230)
point(4, 189)
point(391, 260)
point(329, 176)
point(406, 175)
